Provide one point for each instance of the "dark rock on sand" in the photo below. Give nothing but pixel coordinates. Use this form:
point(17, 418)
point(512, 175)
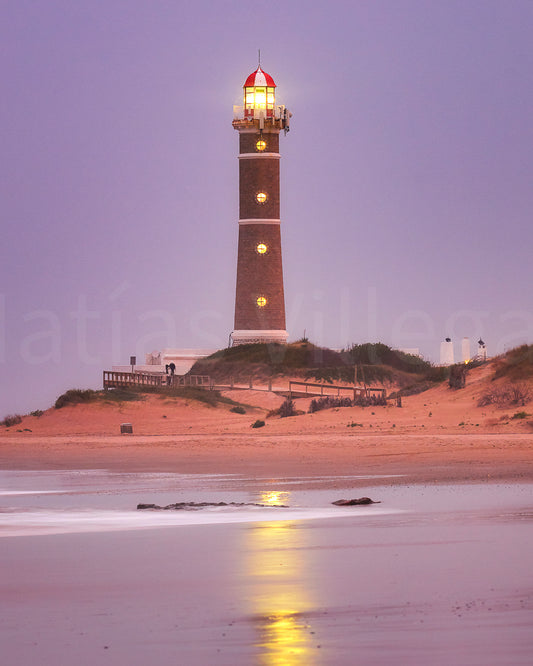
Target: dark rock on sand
point(353, 502)
point(193, 506)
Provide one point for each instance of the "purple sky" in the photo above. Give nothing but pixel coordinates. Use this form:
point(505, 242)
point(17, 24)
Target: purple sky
point(407, 192)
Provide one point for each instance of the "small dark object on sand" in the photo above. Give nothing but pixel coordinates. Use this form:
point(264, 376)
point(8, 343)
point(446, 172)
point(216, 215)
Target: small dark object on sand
point(353, 502)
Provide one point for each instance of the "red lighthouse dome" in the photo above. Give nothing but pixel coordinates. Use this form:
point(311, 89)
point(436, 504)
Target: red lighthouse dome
point(259, 78)
point(259, 95)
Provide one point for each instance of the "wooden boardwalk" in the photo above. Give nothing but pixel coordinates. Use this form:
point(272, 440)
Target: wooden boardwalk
point(336, 390)
point(112, 379)
point(297, 389)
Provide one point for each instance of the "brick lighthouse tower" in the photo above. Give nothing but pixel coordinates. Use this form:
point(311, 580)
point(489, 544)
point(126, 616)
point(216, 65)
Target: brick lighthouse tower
point(259, 300)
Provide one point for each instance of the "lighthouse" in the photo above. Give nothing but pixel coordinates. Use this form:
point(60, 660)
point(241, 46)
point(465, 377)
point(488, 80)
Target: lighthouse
point(259, 297)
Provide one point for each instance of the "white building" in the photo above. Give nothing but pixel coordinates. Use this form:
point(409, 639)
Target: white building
point(446, 352)
point(157, 361)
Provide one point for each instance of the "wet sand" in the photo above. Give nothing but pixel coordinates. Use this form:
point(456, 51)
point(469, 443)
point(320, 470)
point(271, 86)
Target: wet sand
point(434, 574)
point(422, 458)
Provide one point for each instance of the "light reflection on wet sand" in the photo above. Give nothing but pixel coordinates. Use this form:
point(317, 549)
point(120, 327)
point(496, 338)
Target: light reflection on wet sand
point(275, 565)
point(275, 497)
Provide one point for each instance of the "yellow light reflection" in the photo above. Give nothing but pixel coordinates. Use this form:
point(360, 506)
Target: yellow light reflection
point(261, 197)
point(261, 301)
point(261, 248)
point(274, 497)
point(280, 597)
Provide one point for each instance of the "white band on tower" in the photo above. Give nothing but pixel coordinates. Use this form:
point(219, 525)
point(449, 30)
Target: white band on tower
point(261, 220)
point(262, 335)
point(255, 156)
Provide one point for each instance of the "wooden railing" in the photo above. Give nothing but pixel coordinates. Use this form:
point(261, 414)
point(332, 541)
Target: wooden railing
point(335, 389)
point(190, 380)
point(112, 379)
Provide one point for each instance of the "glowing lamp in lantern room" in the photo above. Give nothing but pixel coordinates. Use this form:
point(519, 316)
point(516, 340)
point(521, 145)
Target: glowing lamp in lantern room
point(259, 95)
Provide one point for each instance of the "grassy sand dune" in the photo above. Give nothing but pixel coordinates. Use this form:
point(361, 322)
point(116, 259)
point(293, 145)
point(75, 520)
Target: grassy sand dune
point(437, 435)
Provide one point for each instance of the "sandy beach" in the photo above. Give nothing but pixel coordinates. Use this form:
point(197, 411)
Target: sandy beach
point(437, 572)
point(436, 436)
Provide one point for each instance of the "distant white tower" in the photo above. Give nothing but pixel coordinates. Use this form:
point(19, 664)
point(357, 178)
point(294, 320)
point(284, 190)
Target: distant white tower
point(481, 350)
point(465, 350)
point(446, 352)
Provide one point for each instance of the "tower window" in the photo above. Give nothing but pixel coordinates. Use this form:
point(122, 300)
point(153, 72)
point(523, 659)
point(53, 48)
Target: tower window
point(261, 248)
point(261, 301)
point(260, 98)
point(249, 96)
point(270, 98)
point(261, 197)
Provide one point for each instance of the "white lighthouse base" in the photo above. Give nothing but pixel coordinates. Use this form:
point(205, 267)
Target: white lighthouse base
point(253, 337)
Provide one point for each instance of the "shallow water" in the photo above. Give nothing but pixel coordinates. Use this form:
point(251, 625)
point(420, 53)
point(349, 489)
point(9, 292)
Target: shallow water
point(433, 574)
point(97, 500)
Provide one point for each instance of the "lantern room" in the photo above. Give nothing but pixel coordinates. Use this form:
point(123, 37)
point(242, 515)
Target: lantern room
point(259, 95)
